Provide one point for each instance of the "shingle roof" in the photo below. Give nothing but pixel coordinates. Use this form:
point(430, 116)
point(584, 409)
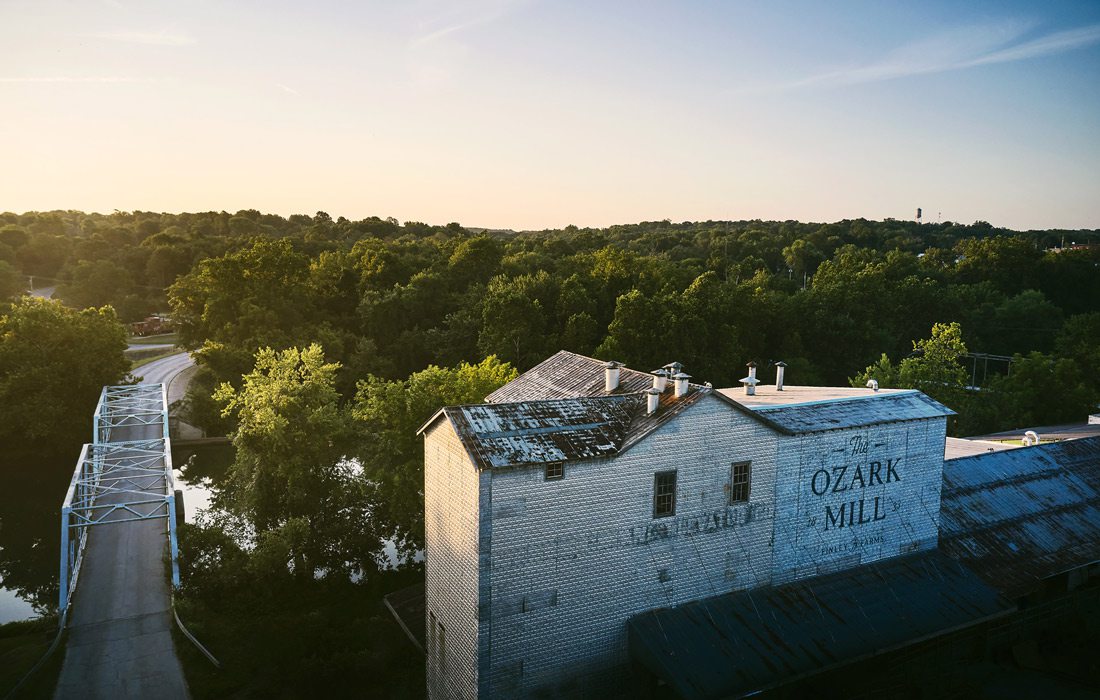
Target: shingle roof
point(499, 435)
point(1019, 516)
point(567, 375)
point(834, 414)
point(740, 643)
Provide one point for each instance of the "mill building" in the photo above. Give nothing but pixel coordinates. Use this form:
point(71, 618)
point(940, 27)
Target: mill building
point(596, 531)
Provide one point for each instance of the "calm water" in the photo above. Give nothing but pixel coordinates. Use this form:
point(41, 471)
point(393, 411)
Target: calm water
point(30, 503)
point(30, 521)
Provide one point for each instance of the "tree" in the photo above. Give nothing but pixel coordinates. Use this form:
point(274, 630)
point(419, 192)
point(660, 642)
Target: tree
point(515, 318)
point(53, 363)
point(389, 413)
point(933, 367)
point(1041, 390)
point(11, 282)
point(1080, 341)
point(98, 283)
point(290, 478)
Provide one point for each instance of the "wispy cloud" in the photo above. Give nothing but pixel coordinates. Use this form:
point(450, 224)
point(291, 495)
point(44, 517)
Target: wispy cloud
point(148, 38)
point(467, 17)
point(287, 89)
point(71, 79)
point(958, 49)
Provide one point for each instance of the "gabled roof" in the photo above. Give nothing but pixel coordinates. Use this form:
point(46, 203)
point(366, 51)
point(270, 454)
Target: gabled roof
point(741, 643)
point(535, 432)
point(1019, 516)
point(559, 410)
point(499, 435)
point(567, 375)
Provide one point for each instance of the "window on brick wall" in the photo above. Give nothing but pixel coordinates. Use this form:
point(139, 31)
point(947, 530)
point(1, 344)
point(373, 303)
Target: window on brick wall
point(664, 494)
point(555, 471)
point(740, 476)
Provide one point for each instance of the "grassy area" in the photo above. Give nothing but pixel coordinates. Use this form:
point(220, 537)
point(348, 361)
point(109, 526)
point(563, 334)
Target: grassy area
point(153, 355)
point(22, 644)
point(153, 339)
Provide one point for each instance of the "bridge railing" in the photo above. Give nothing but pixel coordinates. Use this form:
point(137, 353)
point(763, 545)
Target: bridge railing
point(119, 480)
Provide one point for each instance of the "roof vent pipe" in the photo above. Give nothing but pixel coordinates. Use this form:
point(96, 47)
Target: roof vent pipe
point(660, 379)
point(779, 367)
point(674, 368)
point(681, 383)
point(1031, 438)
point(652, 398)
point(872, 384)
point(611, 376)
point(750, 381)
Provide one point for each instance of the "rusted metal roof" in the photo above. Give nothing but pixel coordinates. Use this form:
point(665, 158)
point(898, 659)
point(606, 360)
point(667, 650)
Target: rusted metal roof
point(741, 643)
point(833, 414)
point(1020, 516)
point(536, 432)
point(567, 375)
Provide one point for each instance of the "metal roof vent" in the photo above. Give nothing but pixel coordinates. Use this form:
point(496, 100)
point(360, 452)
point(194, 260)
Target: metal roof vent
point(674, 368)
point(660, 379)
point(681, 383)
point(652, 398)
point(1031, 438)
point(779, 368)
point(611, 376)
point(872, 384)
point(750, 381)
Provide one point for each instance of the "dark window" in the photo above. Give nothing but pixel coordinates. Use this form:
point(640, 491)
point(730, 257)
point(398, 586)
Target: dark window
point(739, 482)
point(664, 494)
point(555, 470)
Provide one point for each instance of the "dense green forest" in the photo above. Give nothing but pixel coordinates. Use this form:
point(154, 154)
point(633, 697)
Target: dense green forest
point(323, 344)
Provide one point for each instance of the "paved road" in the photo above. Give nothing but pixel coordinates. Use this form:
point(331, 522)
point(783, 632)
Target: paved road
point(120, 642)
point(167, 371)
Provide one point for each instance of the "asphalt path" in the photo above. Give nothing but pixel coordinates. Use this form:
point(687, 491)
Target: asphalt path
point(120, 642)
point(167, 371)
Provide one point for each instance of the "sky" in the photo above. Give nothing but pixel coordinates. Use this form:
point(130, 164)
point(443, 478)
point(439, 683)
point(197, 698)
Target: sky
point(532, 114)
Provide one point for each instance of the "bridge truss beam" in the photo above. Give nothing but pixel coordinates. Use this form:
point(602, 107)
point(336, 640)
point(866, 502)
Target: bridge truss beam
point(117, 481)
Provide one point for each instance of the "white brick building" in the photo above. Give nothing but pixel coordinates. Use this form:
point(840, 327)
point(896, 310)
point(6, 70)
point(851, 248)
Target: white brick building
point(574, 500)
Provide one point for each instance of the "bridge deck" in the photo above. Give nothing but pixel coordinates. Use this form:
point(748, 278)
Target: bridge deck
point(120, 643)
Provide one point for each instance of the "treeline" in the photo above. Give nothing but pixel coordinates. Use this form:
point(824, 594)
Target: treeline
point(387, 299)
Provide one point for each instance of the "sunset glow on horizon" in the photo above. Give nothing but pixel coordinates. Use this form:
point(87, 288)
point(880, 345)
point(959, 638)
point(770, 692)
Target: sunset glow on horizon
point(527, 115)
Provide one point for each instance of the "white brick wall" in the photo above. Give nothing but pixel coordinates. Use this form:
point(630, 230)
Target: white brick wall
point(451, 484)
point(572, 560)
point(559, 566)
point(822, 474)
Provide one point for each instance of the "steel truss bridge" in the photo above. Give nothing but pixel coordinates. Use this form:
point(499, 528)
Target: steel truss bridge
point(123, 475)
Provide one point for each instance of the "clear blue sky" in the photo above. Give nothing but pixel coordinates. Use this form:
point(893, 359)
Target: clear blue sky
point(533, 114)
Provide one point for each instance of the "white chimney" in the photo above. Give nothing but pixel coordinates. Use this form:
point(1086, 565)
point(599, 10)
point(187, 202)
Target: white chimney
point(660, 379)
point(611, 376)
point(779, 367)
point(750, 381)
point(652, 398)
point(681, 383)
